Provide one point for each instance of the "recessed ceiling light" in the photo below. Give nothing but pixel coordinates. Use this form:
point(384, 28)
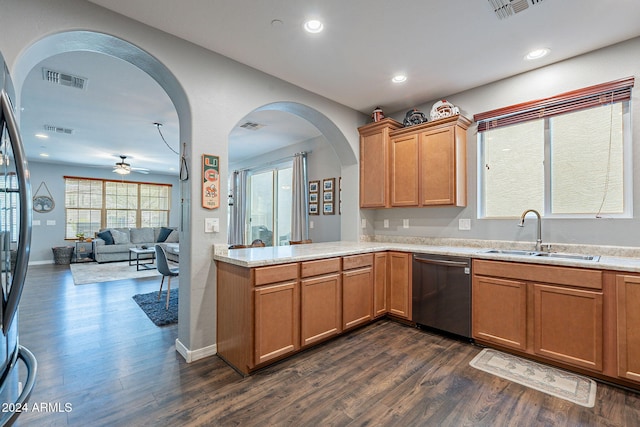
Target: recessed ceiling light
point(313, 26)
point(42, 135)
point(44, 155)
point(399, 78)
point(537, 53)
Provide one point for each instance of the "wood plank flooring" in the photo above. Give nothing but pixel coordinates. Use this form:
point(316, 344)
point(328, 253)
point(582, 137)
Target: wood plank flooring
point(98, 352)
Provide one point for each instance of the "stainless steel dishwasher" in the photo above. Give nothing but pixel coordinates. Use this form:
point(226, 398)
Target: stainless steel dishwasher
point(442, 293)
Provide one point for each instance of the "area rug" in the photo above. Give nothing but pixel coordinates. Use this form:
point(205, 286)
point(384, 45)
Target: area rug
point(92, 272)
point(553, 381)
point(155, 309)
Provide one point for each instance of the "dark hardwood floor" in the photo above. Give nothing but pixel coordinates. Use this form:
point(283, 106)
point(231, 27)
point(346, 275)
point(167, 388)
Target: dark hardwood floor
point(98, 352)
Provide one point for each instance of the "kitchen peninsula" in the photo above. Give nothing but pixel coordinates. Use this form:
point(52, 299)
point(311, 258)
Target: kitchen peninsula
point(275, 301)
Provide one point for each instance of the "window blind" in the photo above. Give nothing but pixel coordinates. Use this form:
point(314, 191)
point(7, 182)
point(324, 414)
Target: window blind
point(592, 96)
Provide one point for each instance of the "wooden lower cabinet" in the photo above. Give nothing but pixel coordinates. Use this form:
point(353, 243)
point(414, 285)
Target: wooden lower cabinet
point(500, 311)
point(321, 306)
point(513, 308)
point(277, 321)
point(628, 326)
point(357, 290)
point(399, 285)
point(379, 284)
point(568, 325)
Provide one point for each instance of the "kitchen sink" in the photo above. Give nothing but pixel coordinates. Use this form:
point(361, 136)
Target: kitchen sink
point(511, 252)
point(594, 258)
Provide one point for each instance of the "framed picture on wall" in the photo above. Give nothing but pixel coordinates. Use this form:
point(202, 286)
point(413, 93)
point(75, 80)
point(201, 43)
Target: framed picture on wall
point(313, 197)
point(327, 196)
point(327, 208)
point(314, 186)
point(313, 209)
point(328, 184)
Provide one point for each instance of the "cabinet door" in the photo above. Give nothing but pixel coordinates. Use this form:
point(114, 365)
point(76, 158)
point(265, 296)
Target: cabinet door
point(380, 284)
point(499, 313)
point(399, 286)
point(277, 321)
point(357, 297)
point(320, 300)
point(404, 171)
point(437, 167)
point(568, 325)
point(374, 170)
point(628, 316)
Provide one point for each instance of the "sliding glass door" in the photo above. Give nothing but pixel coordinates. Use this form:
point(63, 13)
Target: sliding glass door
point(269, 210)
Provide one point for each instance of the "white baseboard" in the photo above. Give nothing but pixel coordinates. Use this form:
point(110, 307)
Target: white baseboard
point(193, 355)
point(40, 262)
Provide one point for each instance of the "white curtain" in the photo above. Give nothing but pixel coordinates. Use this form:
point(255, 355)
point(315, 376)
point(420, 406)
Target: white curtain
point(238, 208)
point(299, 202)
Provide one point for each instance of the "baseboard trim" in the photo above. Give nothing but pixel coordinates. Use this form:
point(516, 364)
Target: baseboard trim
point(193, 355)
point(40, 262)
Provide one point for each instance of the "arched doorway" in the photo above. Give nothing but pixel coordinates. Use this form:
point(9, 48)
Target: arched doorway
point(104, 44)
point(263, 144)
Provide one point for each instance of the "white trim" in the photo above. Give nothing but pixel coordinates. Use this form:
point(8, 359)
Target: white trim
point(41, 262)
point(193, 355)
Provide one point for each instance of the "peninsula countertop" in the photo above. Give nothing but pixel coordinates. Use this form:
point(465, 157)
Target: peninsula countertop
point(272, 255)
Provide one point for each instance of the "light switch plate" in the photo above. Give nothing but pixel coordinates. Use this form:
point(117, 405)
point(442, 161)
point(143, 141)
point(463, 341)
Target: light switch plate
point(211, 225)
point(386, 223)
point(310, 224)
point(405, 223)
point(363, 223)
point(51, 222)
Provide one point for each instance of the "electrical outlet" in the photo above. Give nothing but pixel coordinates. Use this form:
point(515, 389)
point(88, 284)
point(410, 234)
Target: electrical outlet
point(363, 223)
point(464, 224)
point(211, 225)
point(386, 223)
point(405, 223)
point(310, 224)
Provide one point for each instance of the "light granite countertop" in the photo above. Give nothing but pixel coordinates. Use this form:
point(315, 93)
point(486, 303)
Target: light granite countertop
point(611, 258)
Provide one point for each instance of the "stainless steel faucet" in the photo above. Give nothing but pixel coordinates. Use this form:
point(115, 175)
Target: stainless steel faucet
point(521, 224)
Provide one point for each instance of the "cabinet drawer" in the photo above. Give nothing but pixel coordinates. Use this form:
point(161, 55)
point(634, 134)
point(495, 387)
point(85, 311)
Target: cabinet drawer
point(321, 266)
point(357, 261)
point(275, 274)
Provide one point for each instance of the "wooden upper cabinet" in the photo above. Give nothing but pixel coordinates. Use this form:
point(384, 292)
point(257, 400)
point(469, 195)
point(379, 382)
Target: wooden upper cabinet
point(405, 171)
point(429, 164)
point(374, 163)
point(443, 167)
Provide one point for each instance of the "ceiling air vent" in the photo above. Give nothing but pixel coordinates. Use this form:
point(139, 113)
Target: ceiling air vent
point(506, 8)
point(63, 79)
point(251, 126)
point(58, 129)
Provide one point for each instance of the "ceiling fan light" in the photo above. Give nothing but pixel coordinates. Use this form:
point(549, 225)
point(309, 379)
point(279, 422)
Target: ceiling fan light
point(122, 169)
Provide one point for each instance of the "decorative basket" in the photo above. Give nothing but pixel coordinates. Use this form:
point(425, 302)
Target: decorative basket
point(62, 255)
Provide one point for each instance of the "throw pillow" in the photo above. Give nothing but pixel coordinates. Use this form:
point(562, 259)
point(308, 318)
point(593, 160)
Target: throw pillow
point(173, 237)
point(106, 236)
point(119, 237)
point(164, 233)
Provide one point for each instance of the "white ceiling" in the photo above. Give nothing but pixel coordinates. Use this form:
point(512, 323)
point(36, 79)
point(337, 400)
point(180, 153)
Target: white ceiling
point(442, 47)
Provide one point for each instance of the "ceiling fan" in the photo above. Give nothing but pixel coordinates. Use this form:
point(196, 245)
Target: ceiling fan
point(124, 168)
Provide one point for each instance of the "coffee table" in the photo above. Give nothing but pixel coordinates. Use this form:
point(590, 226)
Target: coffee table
point(138, 252)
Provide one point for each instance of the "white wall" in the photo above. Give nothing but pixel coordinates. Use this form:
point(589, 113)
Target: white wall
point(219, 92)
point(608, 64)
point(47, 236)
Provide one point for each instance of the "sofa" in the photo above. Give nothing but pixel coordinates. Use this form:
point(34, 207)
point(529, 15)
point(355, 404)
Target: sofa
point(113, 244)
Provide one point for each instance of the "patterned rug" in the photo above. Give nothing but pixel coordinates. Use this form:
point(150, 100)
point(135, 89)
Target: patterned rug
point(155, 308)
point(92, 272)
point(553, 381)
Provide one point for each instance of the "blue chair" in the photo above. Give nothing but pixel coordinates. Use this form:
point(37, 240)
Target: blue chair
point(165, 270)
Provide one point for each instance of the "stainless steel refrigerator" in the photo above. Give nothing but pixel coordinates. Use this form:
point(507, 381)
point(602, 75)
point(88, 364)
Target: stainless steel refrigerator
point(17, 364)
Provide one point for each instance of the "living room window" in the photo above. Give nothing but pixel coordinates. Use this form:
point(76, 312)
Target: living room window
point(567, 157)
point(92, 204)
